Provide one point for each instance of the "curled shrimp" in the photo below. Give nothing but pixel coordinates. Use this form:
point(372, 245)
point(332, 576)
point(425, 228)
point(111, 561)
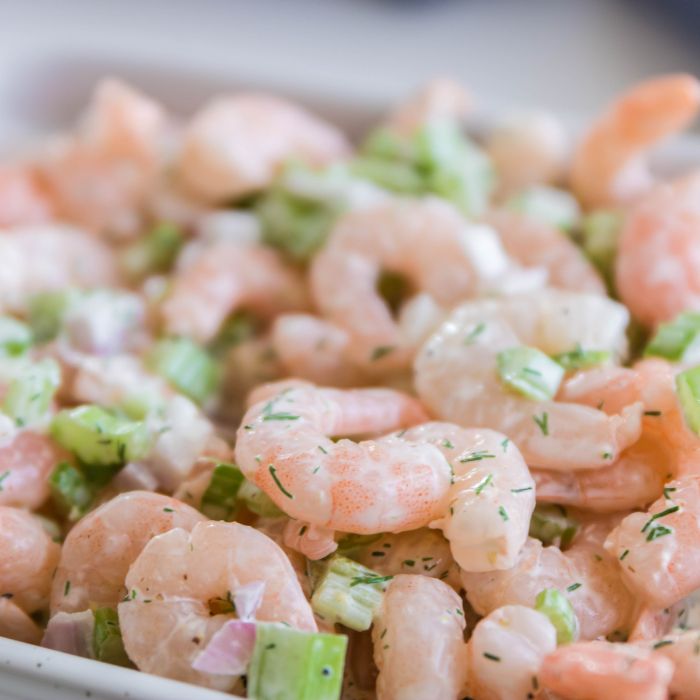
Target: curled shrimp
point(50, 257)
point(608, 166)
point(537, 244)
point(505, 652)
point(419, 614)
point(166, 620)
point(223, 278)
point(98, 551)
point(284, 446)
point(682, 649)
point(656, 273)
point(584, 573)
point(599, 670)
point(425, 240)
point(457, 376)
point(234, 146)
point(22, 199)
point(16, 624)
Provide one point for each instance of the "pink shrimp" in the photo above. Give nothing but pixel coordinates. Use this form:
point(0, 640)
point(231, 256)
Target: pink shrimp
point(234, 146)
point(166, 620)
point(225, 277)
point(22, 199)
point(16, 624)
point(608, 167)
point(682, 649)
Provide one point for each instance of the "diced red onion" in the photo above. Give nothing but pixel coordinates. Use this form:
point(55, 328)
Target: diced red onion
point(247, 599)
point(229, 651)
point(71, 633)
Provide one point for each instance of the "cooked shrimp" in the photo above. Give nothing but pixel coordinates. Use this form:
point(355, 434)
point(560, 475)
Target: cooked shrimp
point(588, 575)
point(50, 257)
point(284, 446)
point(682, 649)
point(600, 670)
point(658, 552)
point(418, 614)
point(457, 377)
point(22, 200)
point(427, 241)
point(25, 465)
point(236, 145)
point(491, 498)
point(310, 540)
point(16, 624)
point(656, 273)
point(505, 652)
point(28, 558)
point(537, 244)
point(608, 166)
point(224, 278)
point(166, 620)
point(100, 548)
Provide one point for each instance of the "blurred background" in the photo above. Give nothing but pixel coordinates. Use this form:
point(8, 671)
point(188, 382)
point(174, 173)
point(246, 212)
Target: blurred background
point(568, 55)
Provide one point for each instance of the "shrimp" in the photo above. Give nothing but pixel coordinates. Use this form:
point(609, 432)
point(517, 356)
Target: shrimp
point(585, 572)
point(235, 146)
point(658, 552)
point(388, 484)
point(457, 377)
point(426, 240)
point(608, 166)
point(682, 650)
point(166, 620)
point(16, 624)
point(537, 244)
point(491, 498)
point(600, 670)
point(98, 551)
point(505, 652)
point(656, 270)
point(527, 149)
point(22, 200)
point(28, 558)
point(223, 278)
point(50, 257)
point(419, 614)
point(25, 465)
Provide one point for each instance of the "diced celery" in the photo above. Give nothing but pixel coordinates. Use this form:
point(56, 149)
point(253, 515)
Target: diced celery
point(102, 441)
point(70, 490)
point(257, 501)
point(239, 327)
point(387, 144)
point(688, 390)
point(578, 358)
point(30, 394)
point(15, 337)
point(353, 544)
point(289, 664)
point(184, 364)
point(553, 526)
point(220, 500)
point(395, 176)
point(556, 606)
point(107, 641)
point(547, 204)
point(530, 372)
point(348, 593)
point(46, 312)
point(155, 252)
point(600, 231)
point(677, 340)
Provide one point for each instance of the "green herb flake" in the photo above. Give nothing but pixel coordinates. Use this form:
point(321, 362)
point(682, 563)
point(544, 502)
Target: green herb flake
point(368, 580)
point(542, 423)
point(491, 657)
point(662, 514)
point(483, 484)
point(477, 456)
point(66, 588)
point(446, 443)
point(168, 510)
point(505, 443)
point(573, 587)
point(381, 351)
point(474, 333)
point(4, 476)
point(624, 554)
point(503, 513)
point(275, 478)
point(658, 531)
point(662, 643)
point(524, 488)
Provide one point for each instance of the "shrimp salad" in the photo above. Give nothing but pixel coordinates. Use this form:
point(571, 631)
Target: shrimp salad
point(293, 417)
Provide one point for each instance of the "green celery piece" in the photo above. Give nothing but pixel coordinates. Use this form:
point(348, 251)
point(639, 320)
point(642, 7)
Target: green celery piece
point(600, 232)
point(530, 372)
point(30, 394)
point(578, 358)
point(549, 205)
point(238, 328)
point(155, 252)
point(552, 525)
point(220, 500)
point(556, 606)
point(388, 145)
point(186, 366)
point(677, 340)
point(351, 545)
point(70, 491)
point(47, 311)
point(688, 390)
point(342, 597)
point(257, 501)
point(107, 641)
point(396, 176)
point(15, 337)
point(289, 664)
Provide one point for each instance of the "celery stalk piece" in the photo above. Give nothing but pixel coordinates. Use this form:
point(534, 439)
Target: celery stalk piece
point(70, 491)
point(688, 390)
point(556, 606)
point(102, 441)
point(600, 232)
point(239, 327)
point(154, 253)
point(549, 205)
point(15, 337)
point(30, 394)
point(678, 340)
point(348, 593)
point(578, 358)
point(186, 366)
point(220, 500)
point(257, 501)
point(552, 525)
point(289, 664)
point(47, 310)
point(530, 372)
point(107, 641)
